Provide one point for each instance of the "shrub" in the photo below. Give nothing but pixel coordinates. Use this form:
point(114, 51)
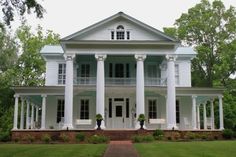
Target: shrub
point(4, 136)
point(158, 134)
point(190, 136)
point(29, 138)
point(176, 135)
point(46, 138)
point(139, 138)
point(96, 139)
point(203, 136)
point(64, 137)
point(80, 137)
point(228, 134)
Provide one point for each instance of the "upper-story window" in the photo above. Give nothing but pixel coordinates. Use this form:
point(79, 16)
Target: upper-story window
point(61, 73)
point(120, 33)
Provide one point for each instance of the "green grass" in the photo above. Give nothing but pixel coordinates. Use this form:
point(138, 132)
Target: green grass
point(52, 150)
point(187, 149)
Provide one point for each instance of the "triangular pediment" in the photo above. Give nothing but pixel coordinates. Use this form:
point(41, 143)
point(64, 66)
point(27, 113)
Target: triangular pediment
point(102, 30)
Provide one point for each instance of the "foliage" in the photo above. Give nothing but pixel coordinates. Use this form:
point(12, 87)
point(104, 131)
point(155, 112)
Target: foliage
point(64, 137)
point(228, 134)
point(99, 117)
point(46, 138)
point(29, 138)
point(141, 117)
point(96, 139)
point(80, 137)
point(4, 136)
point(12, 7)
point(142, 138)
point(210, 29)
point(190, 136)
point(158, 134)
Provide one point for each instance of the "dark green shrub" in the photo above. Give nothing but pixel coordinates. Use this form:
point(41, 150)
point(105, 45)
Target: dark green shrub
point(64, 137)
point(176, 135)
point(80, 137)
point(142, 138)
point(228, 134)
point(29, 138)
point(5, 136)
point(96, 139)
point(46, 138)
point(158, 134)
point(203, 136)
point(190, 136)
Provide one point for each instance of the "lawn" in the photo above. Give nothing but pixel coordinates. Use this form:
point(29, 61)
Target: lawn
point(52, 150)
point(187, 149)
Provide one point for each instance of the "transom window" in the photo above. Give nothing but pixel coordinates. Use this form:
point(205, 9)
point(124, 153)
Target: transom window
point(152, 109)
point(84, 109)
point(61, 73)
point(60, 110)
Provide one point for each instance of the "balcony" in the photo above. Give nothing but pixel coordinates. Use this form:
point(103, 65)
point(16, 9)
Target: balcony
point(120, 81)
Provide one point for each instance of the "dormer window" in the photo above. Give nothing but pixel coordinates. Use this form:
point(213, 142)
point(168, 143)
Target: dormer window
point(120, 33)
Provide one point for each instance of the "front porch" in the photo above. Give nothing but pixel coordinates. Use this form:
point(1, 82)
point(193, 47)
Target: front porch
point(195, 108)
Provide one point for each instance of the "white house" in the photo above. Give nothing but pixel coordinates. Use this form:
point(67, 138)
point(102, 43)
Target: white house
point(120, 68)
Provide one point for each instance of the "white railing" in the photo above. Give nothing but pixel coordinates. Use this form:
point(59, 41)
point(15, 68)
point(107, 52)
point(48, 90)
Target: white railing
point(120, 81)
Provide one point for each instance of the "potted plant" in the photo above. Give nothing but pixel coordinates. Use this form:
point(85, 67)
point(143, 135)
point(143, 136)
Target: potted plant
point(141, 119)
point(99, 121)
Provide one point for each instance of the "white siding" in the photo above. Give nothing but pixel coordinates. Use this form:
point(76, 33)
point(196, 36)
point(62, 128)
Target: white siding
point(185, 74)
point(51, 73)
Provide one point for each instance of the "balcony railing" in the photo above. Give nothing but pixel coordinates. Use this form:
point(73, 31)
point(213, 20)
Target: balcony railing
point(112, 81)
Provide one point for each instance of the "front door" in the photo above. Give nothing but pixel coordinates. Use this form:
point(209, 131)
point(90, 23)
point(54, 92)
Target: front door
point(118, 119)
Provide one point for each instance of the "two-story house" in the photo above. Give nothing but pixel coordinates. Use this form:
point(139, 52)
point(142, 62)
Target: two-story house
point(119, 68)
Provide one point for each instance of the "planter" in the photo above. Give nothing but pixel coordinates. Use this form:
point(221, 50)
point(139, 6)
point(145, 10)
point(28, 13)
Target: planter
point(141, 124)
point(99, 122)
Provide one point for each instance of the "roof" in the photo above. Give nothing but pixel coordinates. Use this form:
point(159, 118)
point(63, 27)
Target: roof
point(50, 49)
point(118, 16)
point(185, 51)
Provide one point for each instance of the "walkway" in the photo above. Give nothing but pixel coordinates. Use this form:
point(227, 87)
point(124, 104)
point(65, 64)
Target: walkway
point(121, 149)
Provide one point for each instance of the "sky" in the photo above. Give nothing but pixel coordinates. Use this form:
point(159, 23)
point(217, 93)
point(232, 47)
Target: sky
point(68, 16)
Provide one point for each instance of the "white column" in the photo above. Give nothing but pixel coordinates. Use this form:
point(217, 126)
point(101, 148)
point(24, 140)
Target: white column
point(27, 113)
point(68, 119)
point(43, 116)
point(32, 117)
point(198, 117)
point(16, 112)
point(204, 116)
point(194, 118)
point(212, 115)
point(37, 114)
point(140, 104)
point(171, 96)
point(100, 87)
point(221, 112)
point(22, 113)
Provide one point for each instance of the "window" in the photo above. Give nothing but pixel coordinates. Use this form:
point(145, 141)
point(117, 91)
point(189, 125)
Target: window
point(118, 111)
point(120, 33)
point(60, 110)
point(84, 109)
point(61, 73)
point(152, 109)
point(119, 70)
point(127, 70)
point(110, 70)
point(112, 35)
point(110, 108)
point(152, 71)
point(177, 112)
point(85, 70)
point(127, 35)
point(177, 74)
point(127, 108)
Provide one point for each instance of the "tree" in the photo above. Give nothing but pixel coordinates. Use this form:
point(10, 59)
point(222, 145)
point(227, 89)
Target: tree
point(210, 29)
point(30, 66)
point(11, 7)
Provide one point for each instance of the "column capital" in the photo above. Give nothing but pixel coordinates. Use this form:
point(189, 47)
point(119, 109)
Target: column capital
point(194, 96)
point(69, 57)
point(220, 96)
point(100, 57)
point(43, 95)
point(16, 96)
point(171, 57)
point(140, 57)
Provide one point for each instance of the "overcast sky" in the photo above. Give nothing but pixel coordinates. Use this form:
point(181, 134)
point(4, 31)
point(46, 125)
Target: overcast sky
point(68, 16)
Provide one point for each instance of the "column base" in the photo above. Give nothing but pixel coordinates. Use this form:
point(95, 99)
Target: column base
point(221, 128)
point(172, 127)
point(67, 127)
point(15, 129)
point(194, 128)
point(43, 128)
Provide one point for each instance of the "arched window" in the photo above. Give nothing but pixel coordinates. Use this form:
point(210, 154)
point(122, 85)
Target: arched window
point(120, 32)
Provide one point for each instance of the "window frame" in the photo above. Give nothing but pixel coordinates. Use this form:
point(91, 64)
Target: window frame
point(153, 113)
point(60, 109)
point(61, 77)
point(83, 114)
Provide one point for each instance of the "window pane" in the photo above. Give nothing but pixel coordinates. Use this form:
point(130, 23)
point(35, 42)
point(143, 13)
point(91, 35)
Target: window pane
point(118, 111)
point(110, 108)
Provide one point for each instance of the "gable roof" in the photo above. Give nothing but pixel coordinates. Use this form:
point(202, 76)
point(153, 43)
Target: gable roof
point(116, 16)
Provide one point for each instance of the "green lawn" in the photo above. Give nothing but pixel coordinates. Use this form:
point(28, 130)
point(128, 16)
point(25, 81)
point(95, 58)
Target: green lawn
point(52, 150)
point(187, 149)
